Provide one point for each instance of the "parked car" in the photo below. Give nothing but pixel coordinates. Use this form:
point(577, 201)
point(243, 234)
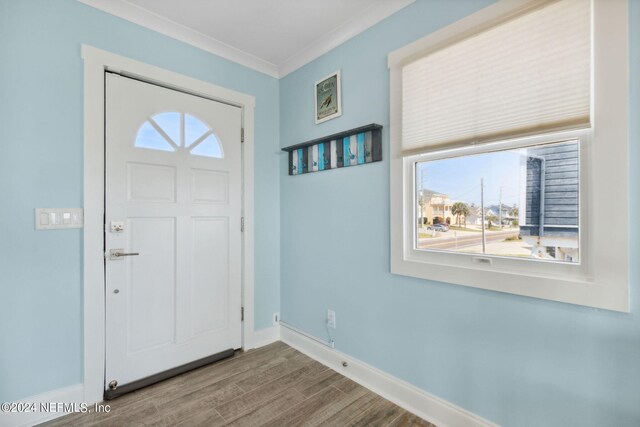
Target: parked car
point(438, 227)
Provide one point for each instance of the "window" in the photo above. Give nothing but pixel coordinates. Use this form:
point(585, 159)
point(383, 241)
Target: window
point(518, 203)
point(174, 131)
point(504, 128)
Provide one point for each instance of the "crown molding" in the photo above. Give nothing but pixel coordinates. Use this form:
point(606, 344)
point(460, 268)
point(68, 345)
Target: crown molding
point(160, 24)
point(380, 11)
point(143, 17)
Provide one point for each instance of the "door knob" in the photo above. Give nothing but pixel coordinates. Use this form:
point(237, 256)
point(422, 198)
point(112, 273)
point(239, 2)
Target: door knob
point(116, 254)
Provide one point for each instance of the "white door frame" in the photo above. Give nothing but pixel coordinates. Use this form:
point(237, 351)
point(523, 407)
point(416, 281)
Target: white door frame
point(96, 62)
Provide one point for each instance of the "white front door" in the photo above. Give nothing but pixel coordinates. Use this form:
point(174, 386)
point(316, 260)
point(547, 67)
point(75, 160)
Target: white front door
point(173, 214)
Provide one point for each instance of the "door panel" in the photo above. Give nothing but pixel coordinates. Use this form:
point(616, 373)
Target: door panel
point(210, 277)
point(209, 186)
point(173, 180)
point(146, 183)
point(151, 283)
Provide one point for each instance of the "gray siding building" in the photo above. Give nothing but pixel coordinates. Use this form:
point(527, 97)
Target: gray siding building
point(550, 220)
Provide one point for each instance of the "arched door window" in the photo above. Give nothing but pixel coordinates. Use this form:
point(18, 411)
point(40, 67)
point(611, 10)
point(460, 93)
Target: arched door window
point(175, 131)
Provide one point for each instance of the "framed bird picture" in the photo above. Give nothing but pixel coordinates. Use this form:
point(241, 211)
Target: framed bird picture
point(328, 98)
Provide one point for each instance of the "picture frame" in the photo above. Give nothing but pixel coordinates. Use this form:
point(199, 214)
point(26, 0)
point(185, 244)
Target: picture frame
point(328, 97)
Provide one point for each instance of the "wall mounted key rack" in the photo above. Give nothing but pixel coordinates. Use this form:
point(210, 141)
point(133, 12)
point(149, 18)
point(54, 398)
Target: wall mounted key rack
point(354, 147)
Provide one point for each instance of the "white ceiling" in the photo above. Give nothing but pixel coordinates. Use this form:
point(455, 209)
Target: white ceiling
point(272, 36)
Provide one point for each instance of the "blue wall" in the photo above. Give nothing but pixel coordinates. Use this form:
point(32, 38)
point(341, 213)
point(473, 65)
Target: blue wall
point(514, 360)
point(41, 125)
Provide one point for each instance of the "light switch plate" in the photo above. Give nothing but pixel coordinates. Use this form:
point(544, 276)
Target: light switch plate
point(59, 218)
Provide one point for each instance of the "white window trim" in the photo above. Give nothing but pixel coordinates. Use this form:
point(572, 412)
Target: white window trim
point(602, 278)
point(96, 62)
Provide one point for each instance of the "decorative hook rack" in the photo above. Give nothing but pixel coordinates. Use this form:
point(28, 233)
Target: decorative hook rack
point(350, 148)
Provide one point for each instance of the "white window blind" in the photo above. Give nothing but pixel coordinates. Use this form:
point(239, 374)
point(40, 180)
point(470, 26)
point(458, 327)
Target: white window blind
point(527, 75)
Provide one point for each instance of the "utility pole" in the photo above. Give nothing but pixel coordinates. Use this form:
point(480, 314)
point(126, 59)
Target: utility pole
point(484, 241)
point(500, 207)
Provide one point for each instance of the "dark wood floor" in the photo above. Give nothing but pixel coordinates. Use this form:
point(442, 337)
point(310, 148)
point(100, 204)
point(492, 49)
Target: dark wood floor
point(275, 386)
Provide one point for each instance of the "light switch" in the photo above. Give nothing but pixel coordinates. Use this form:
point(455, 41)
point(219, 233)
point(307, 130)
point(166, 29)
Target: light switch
point(58, 218)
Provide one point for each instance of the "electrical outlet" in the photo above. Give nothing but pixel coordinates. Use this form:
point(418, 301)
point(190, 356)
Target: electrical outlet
point(331, 319)
point(276, 318)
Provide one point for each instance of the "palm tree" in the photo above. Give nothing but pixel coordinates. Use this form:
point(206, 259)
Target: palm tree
point(514, 212)
point(490, 218)
point(460, 209)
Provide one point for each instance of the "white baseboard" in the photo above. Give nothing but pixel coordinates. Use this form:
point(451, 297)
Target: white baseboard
point(427, 406)
point(69, 395)
point(263, 337)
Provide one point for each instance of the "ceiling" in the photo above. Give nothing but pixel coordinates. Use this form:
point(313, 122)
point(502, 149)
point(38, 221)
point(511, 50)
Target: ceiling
point(272, 36)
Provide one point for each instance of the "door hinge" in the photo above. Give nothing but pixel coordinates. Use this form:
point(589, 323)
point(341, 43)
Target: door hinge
point(242, 224)
point(242, 314)
point(241, 134)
